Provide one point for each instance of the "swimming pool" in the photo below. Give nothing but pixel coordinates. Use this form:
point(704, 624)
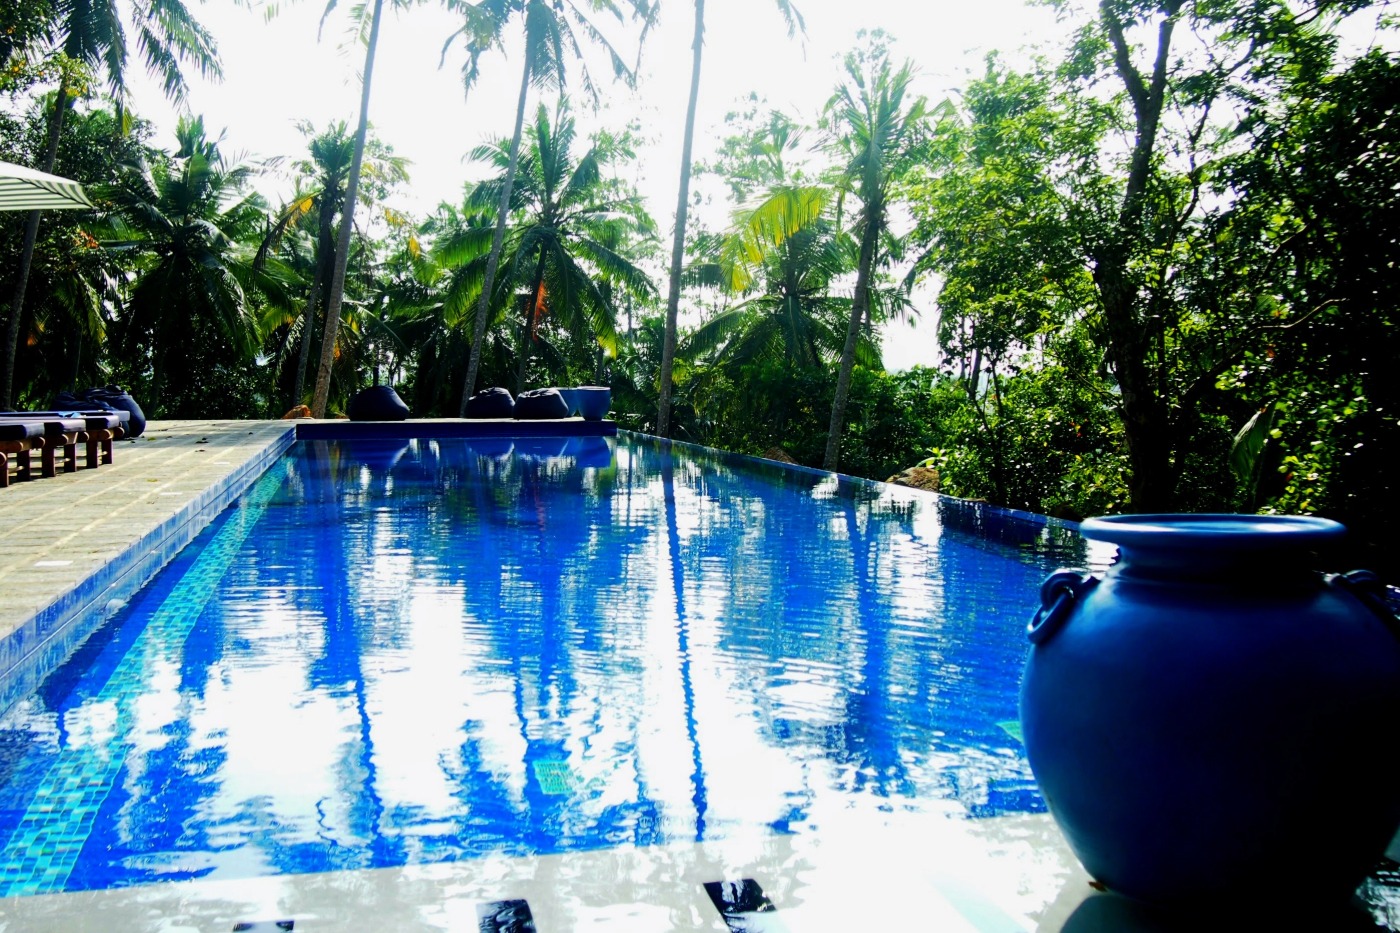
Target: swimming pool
point(407, 652)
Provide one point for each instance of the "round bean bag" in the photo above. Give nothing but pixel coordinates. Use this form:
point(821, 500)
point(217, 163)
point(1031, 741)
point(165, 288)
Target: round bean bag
point(541, 405)
point(491, 403)
point(121, 400)
point(377, 403)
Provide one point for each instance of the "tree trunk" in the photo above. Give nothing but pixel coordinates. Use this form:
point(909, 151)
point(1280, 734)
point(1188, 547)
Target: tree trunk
point(308, 328)
point(498, 238)
point(347, 229)
point(860, 302)
point(527, 335)
point(325, 256)
point(75, 369)
point(26, 257)
point(1147, 430)
point(524, 357)
point(673, 294)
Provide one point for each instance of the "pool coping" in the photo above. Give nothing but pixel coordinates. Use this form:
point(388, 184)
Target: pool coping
point(430, 428)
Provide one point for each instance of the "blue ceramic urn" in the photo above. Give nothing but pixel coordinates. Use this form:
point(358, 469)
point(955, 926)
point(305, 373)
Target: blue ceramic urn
point(1212, 717)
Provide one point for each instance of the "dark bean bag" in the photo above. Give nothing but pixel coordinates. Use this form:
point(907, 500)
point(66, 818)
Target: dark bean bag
point(377, 403)
point(105, 398)
point(121, 400)
point(491, 403)
point(541, 405)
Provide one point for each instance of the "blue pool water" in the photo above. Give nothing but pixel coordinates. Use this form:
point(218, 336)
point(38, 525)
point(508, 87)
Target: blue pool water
point(392, 653)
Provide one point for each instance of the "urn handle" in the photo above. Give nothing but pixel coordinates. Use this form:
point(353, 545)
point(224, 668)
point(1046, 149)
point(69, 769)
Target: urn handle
point(1058, 594)
point(1368, 588)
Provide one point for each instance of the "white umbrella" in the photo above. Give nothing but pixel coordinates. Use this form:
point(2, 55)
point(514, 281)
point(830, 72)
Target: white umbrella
point(24, 189)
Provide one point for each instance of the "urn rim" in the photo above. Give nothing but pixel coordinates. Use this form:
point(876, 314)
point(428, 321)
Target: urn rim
point(1213, 530)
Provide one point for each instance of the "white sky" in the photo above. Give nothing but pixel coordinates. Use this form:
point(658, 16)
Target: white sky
point(278, 73)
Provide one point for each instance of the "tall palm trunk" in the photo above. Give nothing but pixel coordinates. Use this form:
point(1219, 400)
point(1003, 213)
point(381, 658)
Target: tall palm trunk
point(347, 228)
point(859, 304)
point(308, 324)
point(324, 258)
point(673, 294)
point(26, 258)
point(527, 333)
point(498, 237)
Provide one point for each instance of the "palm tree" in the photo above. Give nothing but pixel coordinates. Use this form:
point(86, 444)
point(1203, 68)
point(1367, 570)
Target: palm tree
point(320, 195)
point(91, 34)
point(783, 254)
point(782, 259)
point(347, 222)
point(874, 129)
point(327, 171)
point(549, 30)
point(673, 294)
point(194, 224)
point(566, 247)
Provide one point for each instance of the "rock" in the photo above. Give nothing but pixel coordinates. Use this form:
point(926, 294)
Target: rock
point(301, 411)
point(778, 454)
point(919, 477)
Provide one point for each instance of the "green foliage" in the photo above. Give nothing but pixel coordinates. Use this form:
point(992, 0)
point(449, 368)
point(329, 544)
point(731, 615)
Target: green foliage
point(74, 286)
point(1038, 441)
point(22, 25)
point(191, 226)
point(565, 259)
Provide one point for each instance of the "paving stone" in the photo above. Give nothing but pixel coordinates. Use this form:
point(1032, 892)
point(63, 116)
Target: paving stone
point(91, 516)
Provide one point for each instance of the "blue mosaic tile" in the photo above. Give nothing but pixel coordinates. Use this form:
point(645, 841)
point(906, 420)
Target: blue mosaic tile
point(66, 800)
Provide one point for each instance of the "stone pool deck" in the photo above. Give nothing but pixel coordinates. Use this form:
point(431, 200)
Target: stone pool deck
point(56, 532)
point(83, 542)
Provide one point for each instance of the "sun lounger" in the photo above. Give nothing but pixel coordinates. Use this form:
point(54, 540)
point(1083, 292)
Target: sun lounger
point(100, 429)
point(60, 434)
point(18, 438)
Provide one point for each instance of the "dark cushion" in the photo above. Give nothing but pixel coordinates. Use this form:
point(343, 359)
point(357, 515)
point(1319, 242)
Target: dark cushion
point(377, 403)
point(541, 405)
point(121, 400)
point(105, 398)
point(491, 403)
point(20, 430)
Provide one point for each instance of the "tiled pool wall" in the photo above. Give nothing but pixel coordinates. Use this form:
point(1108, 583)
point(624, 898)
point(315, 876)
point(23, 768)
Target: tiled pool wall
point(40, 643)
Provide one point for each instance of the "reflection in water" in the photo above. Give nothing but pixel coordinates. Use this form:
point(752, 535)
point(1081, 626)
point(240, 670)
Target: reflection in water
point(431, 650)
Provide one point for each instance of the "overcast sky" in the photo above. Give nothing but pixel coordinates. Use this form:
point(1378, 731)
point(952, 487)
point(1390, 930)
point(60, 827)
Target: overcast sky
point(277, 73)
